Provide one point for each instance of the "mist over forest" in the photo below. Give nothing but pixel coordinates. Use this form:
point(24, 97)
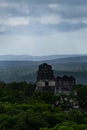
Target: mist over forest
point(15, 69)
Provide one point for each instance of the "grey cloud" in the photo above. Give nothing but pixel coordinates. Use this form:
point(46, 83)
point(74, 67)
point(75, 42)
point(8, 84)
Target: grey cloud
point(15, 8)
point(22, 8)
point(72, 2)
point(3, 30)
point(35, 9)
point(39, 2)
point(31, 2)
point(74, 12)
point(66, 27)
point(69, 2)
point(41, 29)
point(68, 11)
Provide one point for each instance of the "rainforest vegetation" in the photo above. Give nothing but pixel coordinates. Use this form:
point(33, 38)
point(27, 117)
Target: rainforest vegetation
point(21, 108)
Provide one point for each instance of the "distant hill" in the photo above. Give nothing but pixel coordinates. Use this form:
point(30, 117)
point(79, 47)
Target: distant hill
point(15, 71)
point(25, 74)
point(77, 63)
point(32, 58)
point(75, 59)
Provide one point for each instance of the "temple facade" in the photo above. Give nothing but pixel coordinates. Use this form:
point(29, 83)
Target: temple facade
point(46, 81)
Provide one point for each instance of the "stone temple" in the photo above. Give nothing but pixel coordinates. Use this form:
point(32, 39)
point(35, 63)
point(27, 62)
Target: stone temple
point(46, 81)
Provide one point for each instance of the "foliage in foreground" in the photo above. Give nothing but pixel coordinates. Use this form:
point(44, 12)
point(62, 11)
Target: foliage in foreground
point(23, 109)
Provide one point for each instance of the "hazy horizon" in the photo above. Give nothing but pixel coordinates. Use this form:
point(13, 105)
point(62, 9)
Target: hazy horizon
point(41, 28)
point(43, 55)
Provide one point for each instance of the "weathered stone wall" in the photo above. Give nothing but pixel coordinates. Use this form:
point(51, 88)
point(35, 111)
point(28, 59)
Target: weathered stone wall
point(46, 81)
point(41, 83)
point(52, 83)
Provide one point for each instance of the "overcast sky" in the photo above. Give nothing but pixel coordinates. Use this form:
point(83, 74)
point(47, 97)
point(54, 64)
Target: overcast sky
point(43, 27)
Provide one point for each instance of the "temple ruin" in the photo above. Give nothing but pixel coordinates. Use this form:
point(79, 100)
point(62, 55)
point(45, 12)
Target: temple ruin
point(46, 81)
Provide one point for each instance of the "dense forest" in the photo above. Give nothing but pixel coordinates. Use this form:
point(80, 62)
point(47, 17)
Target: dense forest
point(17, 71)
point(21, 108)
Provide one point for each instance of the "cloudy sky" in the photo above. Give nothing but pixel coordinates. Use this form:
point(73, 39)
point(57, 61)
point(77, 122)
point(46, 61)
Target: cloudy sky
point(43, 27)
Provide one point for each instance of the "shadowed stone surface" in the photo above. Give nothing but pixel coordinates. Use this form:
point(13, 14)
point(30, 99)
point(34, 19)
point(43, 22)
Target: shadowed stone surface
point(45, 72)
